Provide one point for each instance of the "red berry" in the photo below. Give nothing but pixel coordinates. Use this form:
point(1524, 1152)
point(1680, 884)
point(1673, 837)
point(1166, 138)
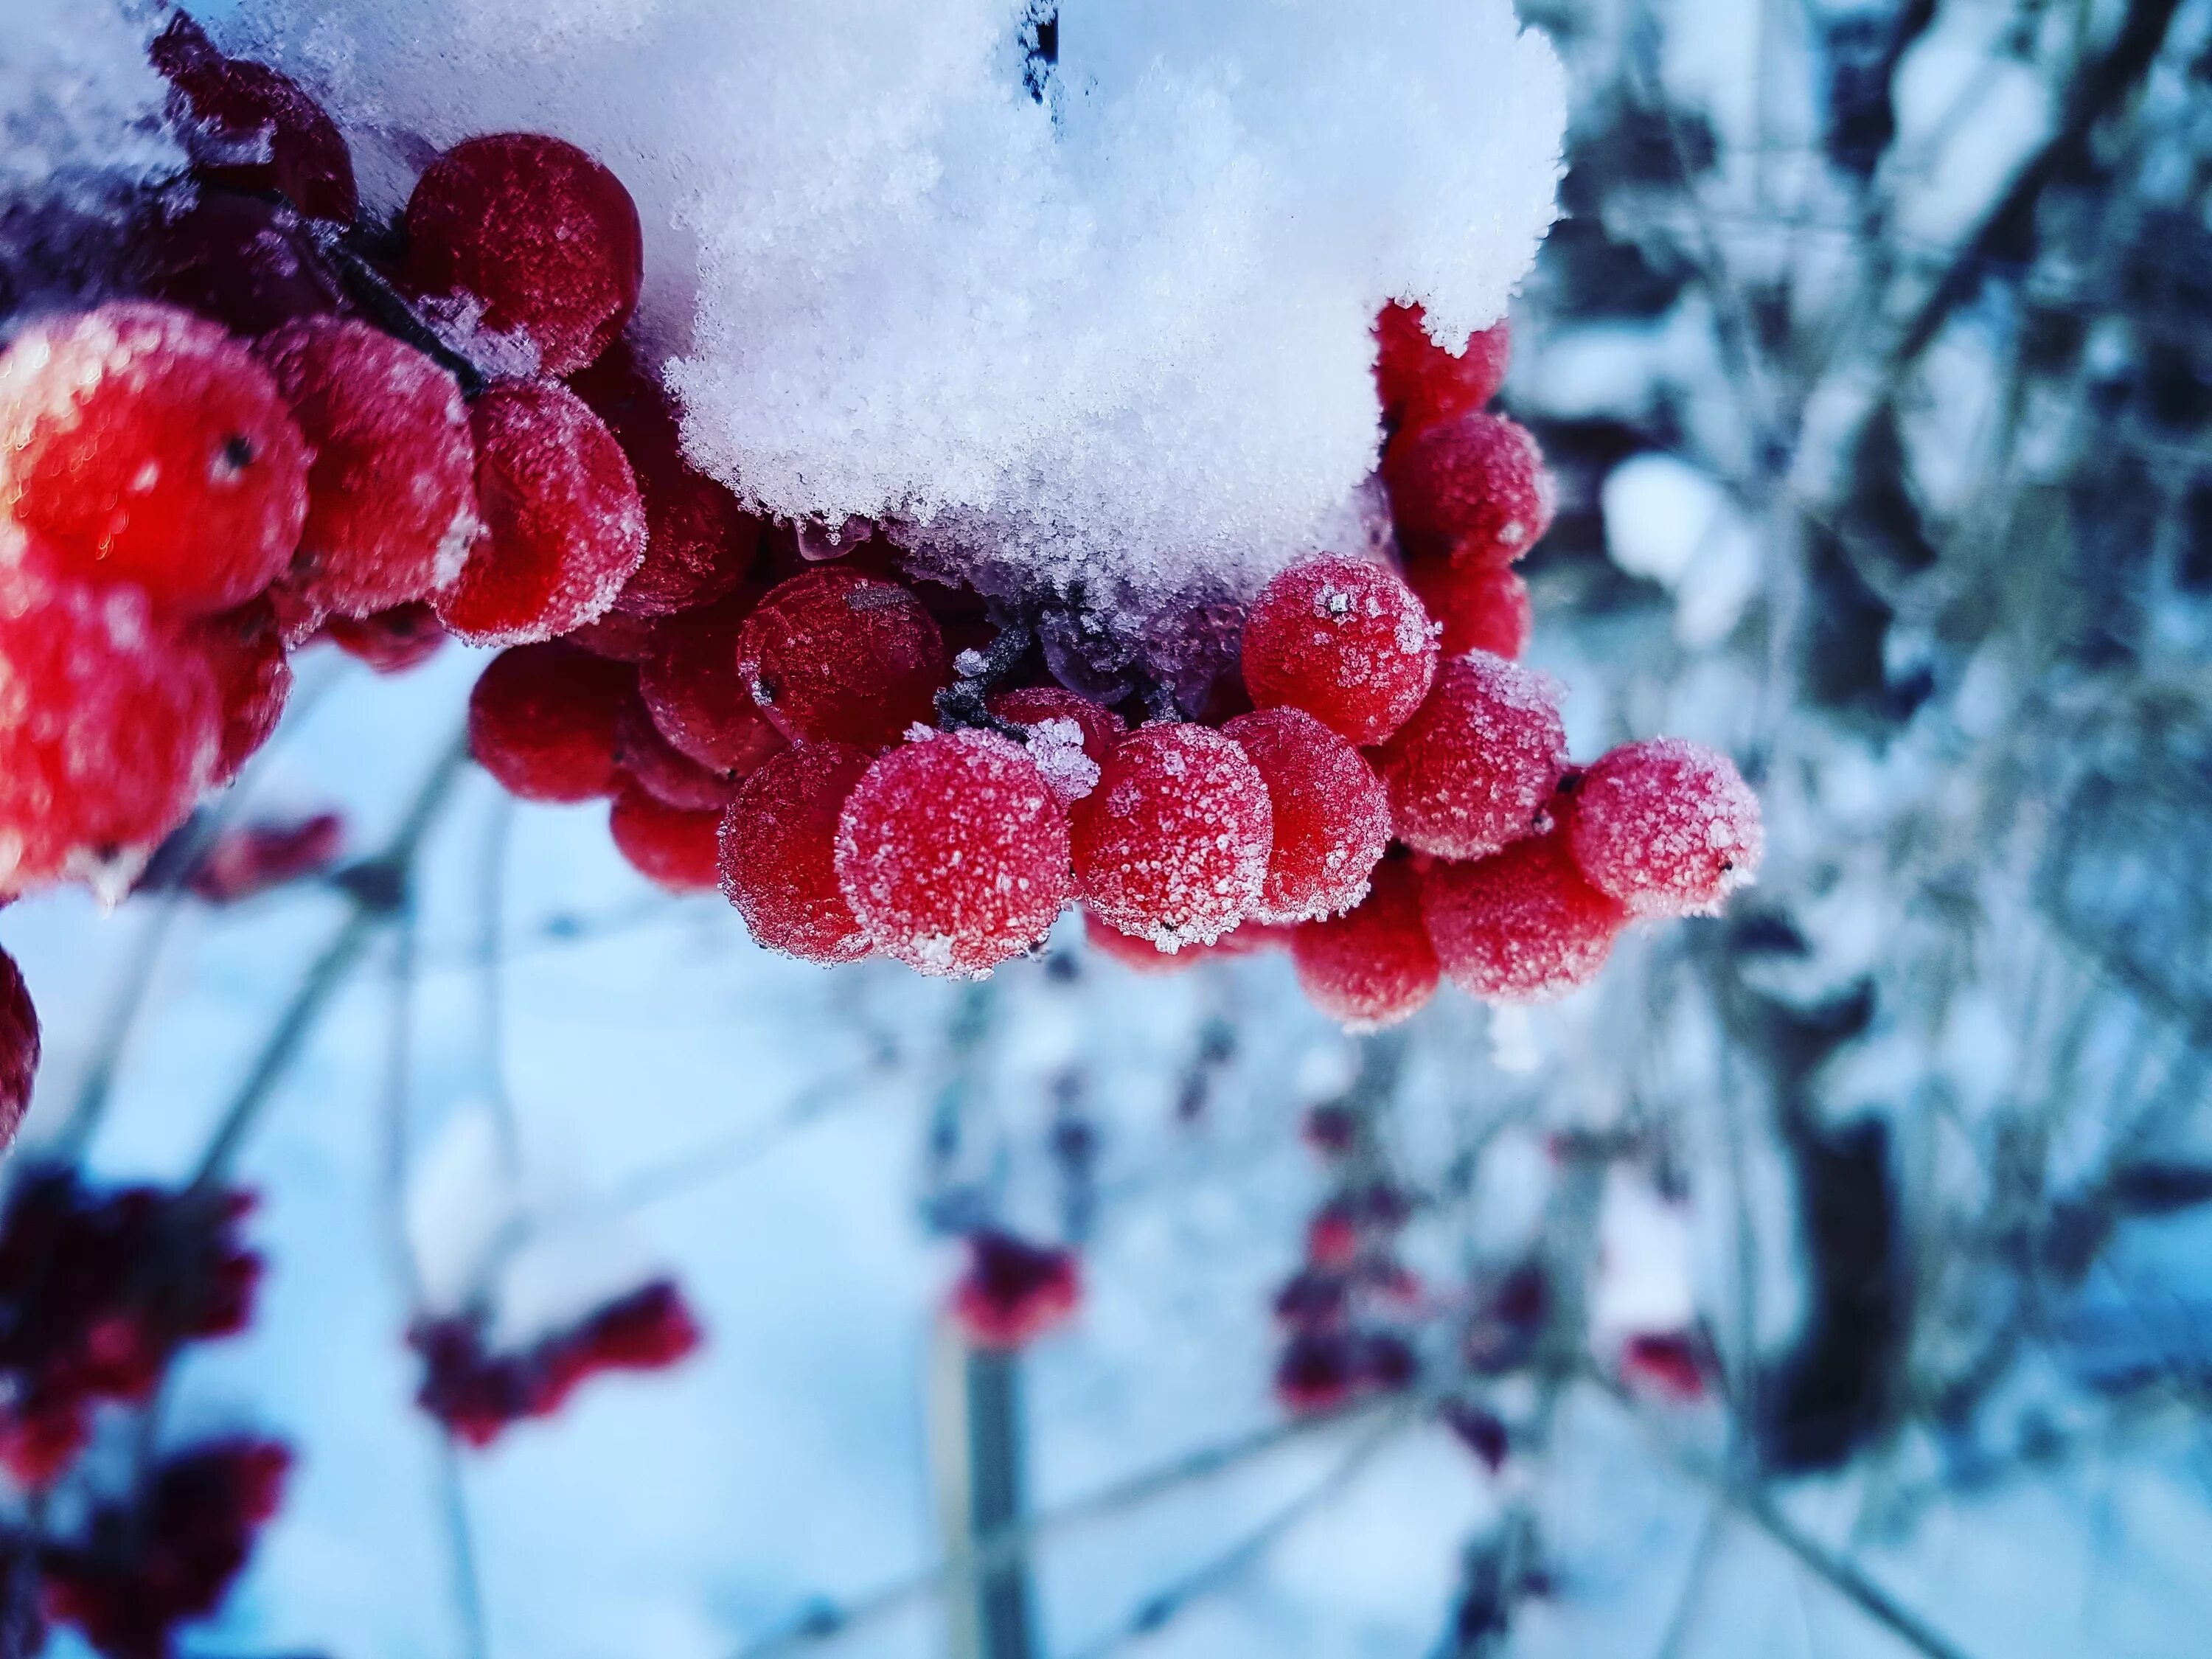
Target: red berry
point(1481, 607)
point(243, 650)
point(1172, 846)
point(699, 542)
point(541, 720)
point(1097, 729)
point(299, 619)
point(19, 1049)
point(778, 853)
point(1332, 814)
point(1670, 1364)
point(1476, 487)
point(392, 490)
point(538, 234)
point(698, 699)
point(563, 526)
point(251, 264)
point(1248, 939)
point(1421, 383)
point(391, 641)
point(678, 849)
point(1014, 1293)
point(1474, 769)
point(251, 129)
point(664, 772)
point(1521, 926)
point(146, 445)
point(255, 859)
point(111, 729)
point(837, 656)
point(1669, 828)
point(1315, 1374)
point(1344, 639)
point(618, 637)
point(1375, 966)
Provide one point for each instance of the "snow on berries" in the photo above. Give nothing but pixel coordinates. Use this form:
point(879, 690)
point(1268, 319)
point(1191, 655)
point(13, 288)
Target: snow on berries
point(1332, 815)
point(1475, 766)
point(1374, 965)
point(1421, 383)
point(1069, 736)
point(1667, 827)
point(1521, 925)
point(1344, 639)
point(1013, 1291)
point(249, 128)
point(1474, 488)
point(19, 1049)
point(543, 721)
point(834, 655)
point(778, 853)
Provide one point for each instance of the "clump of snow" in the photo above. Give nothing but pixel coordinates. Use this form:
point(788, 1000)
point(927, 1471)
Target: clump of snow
point(1115, 335)
point(1667, 520)
point(1056, 746)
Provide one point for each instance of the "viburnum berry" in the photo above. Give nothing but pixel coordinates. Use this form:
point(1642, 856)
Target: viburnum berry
point(1475, 487)
point(1480, 607)
point(113, 728)
point(1373, 966)
point(833, 656)
point(1670, 1364)
point(564, 528)
point(19, 1049)
point(392, 490)
point(1172, 846)
point(1667, 827)
point(663, 771)
point(677, 849)
point(1013, 1291)
point(1521, 925)
point(249, 264)
point(698, 699)
point(1332, 814)
point(619, 637)
point(243, 650)
point(1421, 383)
point(538, 234)
point(542, 719)
point(1474, 769)
point(699, 542)
point(251, 129)
point(1344, 639)
point(143, 445)
point(1247, 938)
point(778, 853)
point(953, 853)
point(1315, 1373)
point(257, 858)
point(1047, 713)
point(391, 641)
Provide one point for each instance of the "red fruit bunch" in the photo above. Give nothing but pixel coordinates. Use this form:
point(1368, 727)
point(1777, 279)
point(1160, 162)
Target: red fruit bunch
point(1347, 1313)
point(1012, 1292)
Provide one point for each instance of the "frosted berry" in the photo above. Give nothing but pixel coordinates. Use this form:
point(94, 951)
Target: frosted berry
point(1474, 769)
point(243, 650)
point(1421, 383)
point(564, 526)
point(1375, 966)
point(677, 849)
point(111, 729)
point(538, 234)
point(699, 542)
point(1344, 639)
point(1172, 846)
point(1071, 758)
point(143, 445)
point(251, 264)
point(1521, 926)
point(1480, 607)
point(1014, 1293)
point(953, 853)
point(391, 641)
point(1669, 828)
point(251, 128)
point(664, 772)
point(1248, 939)
point(19, 1049)
point(833, 656)
point(541, 720)
point(1332, 814)
point(778, 853)
point(618, 637)
point(392, 490)
point(698, 699)
point(1475, 487)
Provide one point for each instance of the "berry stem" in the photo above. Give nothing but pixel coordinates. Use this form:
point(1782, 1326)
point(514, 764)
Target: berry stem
point(962, 704)
point(389, 310)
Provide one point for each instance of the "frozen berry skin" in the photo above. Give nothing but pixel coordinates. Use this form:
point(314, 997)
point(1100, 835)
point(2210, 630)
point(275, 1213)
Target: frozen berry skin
point(1480, 607)
point(699, 542)
point(112, 728)
point(1246, 939)
point(564, 528)
point(1474, 769)
point(251, 129)
point(655, 765)
point(1332, 814)
point(697, 698)
point(953, 853)
point(1172, 846)
point(243, 650)
point(1097, 729)
point(392, 490)
point(833, 656)
point(676, 849)
point(249, 264)
point(391, 641)
point(778, 853)
point(541, 720)
point(1521, 925)
point(144, 445)
point(1344, 639)
point(1419, 383)
point(618, 638)
point(538, 234)
point(1667, 827)
point(18, 1049)
point(1475, 487)
point(1374, 966)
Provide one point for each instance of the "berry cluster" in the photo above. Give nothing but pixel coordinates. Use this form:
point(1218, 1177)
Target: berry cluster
point(1012, 1291)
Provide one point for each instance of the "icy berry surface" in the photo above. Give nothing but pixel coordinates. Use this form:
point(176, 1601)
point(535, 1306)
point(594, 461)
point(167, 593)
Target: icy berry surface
point(672, 847)
point(1069, 736)
point(1344, 639)
point(1480, 606)
point(1013, 1291)
point(1172, 846)
point(1521, 926)
point(1475, 768)
point(1373, 966)
point(251, 128)
point(1475, 487)
point(618, 637)
point(834, 655)
point(1332, 814)
point(1667, 827)
point(392, 490)
point(391, 641)
point(538, 234)
point(700, 703)
point(243, 650)
point(144, 445)
point(1421, 383)
point(953, 853)
point(778, 853)
point(541, 720)
point(564, 528)
point(661, 769)
point(249, 264)
point(19, 1049)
